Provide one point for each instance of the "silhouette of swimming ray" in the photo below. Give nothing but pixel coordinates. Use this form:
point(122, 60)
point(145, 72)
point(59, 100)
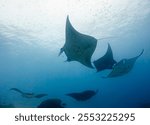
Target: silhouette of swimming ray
point(28, 95)
point(105, 62)
point(78, 47)
point(83, 96)
point(124, 66)
point(51, 103)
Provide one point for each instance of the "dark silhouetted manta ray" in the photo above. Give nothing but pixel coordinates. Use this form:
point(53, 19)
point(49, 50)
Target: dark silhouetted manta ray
point(28, 95)
point(78, 47)
point(124, 66)
point(52, 103)
point(105, 62)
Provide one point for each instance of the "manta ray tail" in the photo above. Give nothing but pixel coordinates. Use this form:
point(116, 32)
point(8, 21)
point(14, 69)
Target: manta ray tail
point(106, 38)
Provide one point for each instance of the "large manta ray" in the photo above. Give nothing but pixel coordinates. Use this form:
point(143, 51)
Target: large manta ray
point(52, 103)
point(105, 62)
point(83, 96)
point(78, 47)
point(28, 95)
point(124, 66)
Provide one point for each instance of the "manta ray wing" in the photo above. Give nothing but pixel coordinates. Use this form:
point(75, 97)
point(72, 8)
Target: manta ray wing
point(105, 62)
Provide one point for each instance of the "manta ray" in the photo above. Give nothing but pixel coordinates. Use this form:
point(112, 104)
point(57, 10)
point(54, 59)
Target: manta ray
point(124, 66)
point(83, 96)
point(52, 103)
point(78, 47)
point(28, 95)
point(105, 62)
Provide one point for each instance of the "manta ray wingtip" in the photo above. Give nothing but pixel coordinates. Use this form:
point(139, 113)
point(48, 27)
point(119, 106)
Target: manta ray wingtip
point(108, 43)
point(67, 17)
point(109, 47)
point(142, 52)
point(61, 51)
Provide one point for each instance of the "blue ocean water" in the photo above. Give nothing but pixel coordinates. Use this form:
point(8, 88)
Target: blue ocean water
point(32, 33)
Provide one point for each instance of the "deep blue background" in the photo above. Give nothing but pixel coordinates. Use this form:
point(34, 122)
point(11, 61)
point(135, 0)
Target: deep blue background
point(34, 68)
